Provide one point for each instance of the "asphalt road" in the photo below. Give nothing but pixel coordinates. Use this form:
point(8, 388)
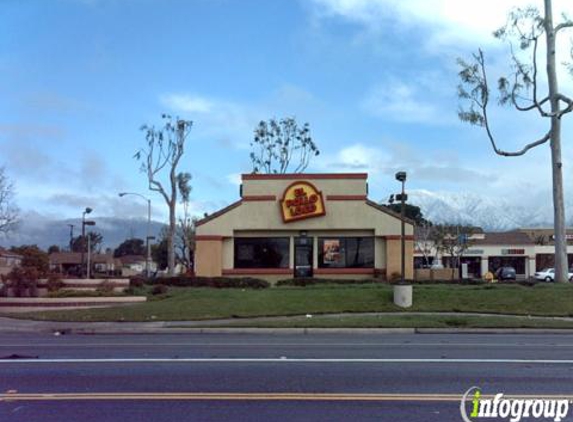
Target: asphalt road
point(249, 377)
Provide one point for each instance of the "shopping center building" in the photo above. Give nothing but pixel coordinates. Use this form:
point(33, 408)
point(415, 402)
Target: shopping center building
point(526, 249)
point(303, 225)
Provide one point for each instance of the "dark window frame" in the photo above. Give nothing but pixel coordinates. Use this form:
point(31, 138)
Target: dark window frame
point(279, 258)
point(347, 250)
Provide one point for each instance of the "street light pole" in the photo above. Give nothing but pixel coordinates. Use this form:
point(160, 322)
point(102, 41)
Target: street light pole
point(86, 211)
point(148, 237)
point(401, 177)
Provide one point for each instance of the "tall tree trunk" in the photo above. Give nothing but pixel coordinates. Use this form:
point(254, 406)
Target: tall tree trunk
point(561, 270)
point(171, 240)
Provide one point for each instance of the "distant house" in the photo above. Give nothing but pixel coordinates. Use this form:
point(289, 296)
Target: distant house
point(135, 265)
point(8, 260)
point(69, 263)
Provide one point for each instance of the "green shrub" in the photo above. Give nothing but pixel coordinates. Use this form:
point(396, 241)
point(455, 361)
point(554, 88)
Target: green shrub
point(23, 281)
point(215, 282)
point(159, 289)
point(137, 282)
point(54, 283)
point(301, 282)
point(105, 288)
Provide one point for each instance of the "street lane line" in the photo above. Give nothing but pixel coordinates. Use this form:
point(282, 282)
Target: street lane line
point(353, 345)
point(256, 396)
point(283, 360)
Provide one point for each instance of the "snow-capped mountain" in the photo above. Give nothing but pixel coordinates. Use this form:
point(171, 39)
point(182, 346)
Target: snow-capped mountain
point(492, 214)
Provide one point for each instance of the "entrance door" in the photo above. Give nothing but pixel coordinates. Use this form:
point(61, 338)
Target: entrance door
point(303, 257)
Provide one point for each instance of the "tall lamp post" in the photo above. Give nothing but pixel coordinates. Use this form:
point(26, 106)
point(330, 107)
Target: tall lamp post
point(84, 224)
point(148, 237)
point(402, 197)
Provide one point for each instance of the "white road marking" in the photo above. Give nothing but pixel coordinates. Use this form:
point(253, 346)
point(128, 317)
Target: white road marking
point(284, 360)
point(473, 345)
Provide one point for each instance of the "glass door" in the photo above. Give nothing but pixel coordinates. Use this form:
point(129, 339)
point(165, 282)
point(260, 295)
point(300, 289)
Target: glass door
point(303, 256)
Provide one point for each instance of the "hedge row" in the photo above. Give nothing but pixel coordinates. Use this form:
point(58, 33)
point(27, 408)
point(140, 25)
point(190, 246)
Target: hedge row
point(314, 281)
point(215, 282)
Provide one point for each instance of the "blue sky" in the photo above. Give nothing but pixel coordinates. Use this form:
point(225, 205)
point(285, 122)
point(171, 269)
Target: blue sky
point(376, 80)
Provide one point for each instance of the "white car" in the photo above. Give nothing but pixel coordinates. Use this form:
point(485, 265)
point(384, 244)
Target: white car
point(548, 274)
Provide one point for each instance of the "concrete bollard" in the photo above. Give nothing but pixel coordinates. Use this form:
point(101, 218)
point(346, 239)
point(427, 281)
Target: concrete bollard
point(403, 295)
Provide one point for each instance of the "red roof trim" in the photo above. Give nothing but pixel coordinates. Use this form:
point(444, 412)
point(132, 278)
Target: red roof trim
point(259, 198)
point(208, 237)
point(323, 271)
point(218, 213)
point(303, 176)
point(257, 271)
point(346, 197)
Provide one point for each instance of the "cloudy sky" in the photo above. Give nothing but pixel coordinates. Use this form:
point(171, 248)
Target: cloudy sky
point(376, 80)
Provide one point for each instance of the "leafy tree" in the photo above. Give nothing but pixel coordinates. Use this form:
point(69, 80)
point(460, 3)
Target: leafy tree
point(185, 241)
point(133, 246)
point(33, 257)
point(9, 213)
point(22, 280)
point(80, 244)
point(412, 212)
point(452, 239)
point(160, 254)
point(277, 144)
point(164, 149)
point(522, 91)
point(53, 249)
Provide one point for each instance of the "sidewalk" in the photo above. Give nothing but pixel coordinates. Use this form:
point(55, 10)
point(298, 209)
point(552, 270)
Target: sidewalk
point(13, 325)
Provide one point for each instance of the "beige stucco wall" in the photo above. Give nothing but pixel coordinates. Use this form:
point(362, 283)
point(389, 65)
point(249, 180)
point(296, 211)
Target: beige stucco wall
point(263, 218)
point(208, 258)
point(340, 215)
point(326, 186)
point(393, 258)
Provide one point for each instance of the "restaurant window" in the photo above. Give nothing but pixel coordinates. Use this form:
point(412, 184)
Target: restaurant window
point(346, 252)
point(262, 252)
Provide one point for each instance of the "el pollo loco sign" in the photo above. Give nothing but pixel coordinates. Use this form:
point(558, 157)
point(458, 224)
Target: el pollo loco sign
point(301, 200)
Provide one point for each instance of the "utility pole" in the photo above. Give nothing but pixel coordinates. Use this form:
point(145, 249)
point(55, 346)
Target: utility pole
point(71, 235)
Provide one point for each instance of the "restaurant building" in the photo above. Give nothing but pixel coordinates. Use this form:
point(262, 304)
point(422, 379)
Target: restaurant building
point(303, 225)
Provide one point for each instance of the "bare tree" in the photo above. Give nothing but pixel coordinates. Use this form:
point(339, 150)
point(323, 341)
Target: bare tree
point(424, 242)
point(453, 239)
point(277, 145)
point(9, 212)
point(521, 90)
point(165, 147)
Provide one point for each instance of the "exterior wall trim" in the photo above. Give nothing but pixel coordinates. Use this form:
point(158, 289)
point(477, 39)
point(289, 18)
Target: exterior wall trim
point(304, 176)
point(258, 271)
point(323, 271)
point(346, 197)
point(208, 238)
point(259, 198)
point(397, 237)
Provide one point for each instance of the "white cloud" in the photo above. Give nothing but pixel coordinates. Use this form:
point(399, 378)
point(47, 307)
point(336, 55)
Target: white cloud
point(187, 103)
point(448, 22)
point(403, 102)
point(234, 179)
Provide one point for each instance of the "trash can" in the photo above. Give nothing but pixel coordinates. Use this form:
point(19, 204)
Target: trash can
point(403, 295)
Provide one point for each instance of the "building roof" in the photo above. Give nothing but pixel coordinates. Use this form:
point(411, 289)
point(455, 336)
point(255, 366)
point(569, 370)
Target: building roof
point(132, 259)
point(8, 254)
point(218, 213)
point(504, 238)
point(302, 176)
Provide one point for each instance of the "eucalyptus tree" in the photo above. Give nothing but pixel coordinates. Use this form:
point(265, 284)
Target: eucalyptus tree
point(530, 90)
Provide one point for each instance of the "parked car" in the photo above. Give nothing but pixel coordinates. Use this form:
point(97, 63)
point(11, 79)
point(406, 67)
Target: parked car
point(548, 274)
point(505, 273)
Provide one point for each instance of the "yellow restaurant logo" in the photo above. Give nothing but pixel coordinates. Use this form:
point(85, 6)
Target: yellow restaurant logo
point(301, 200)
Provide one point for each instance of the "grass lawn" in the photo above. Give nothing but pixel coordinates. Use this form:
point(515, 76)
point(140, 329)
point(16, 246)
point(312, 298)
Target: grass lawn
point(405, 321)
point(205, 303)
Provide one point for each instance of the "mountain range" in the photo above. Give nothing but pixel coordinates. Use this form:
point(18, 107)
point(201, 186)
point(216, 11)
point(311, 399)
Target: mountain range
point(44, 232)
